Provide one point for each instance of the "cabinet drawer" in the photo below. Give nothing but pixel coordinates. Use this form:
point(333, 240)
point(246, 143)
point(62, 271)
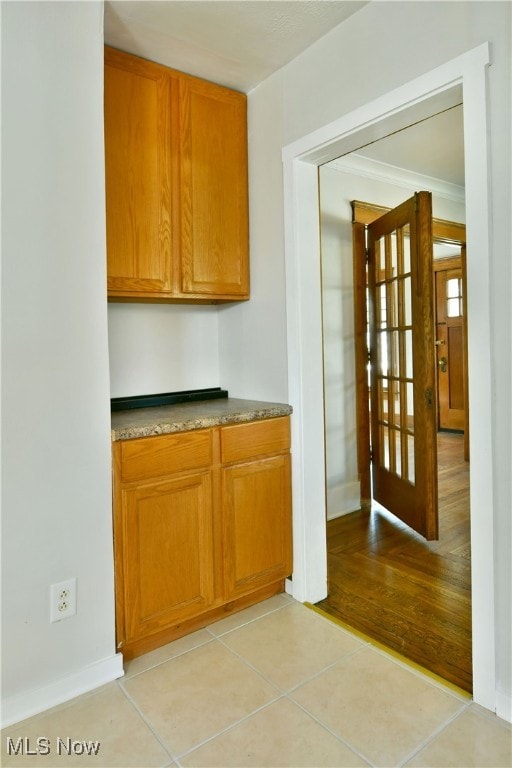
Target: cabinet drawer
point(245, 441)
point(165, 454)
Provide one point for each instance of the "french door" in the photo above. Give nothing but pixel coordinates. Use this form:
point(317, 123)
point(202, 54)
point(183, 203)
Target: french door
point(402, 364)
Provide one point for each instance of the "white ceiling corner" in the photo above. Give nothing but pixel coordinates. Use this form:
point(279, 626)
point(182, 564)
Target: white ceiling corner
point(237, 43)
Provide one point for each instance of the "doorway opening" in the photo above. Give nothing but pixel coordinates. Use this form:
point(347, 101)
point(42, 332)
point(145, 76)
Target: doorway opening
point(428, 94)
point(384, 579)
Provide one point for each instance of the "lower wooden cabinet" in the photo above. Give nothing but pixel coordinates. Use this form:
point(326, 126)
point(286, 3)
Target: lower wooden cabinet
point(202, 527)
point(256, 504)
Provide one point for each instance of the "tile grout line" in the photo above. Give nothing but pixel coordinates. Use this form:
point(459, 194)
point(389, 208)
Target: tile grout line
point(247, 623)
point(164, 661)
point(175, 757)
point(312, 677)
point(229, 727)
point(364, 645)
point(147, 722)
point(248, 664)
point(281, 694)
point(435, 733)
point(286, 691)
point(206, 642)
point(329, 730)
point(424, 674)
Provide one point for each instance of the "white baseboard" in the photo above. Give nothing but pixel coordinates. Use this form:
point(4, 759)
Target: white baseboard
point(343, 499)
point(504, 706)
point(29, 703)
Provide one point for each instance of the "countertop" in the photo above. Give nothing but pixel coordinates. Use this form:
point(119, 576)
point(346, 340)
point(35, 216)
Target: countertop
point(163, 420)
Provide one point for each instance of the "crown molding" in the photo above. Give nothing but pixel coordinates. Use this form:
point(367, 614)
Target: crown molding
point(400, 177)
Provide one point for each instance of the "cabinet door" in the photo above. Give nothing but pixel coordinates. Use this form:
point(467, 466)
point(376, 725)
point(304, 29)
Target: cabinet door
point(257, 523)
point(167, 554)
point(138, 175)
point(213, 191)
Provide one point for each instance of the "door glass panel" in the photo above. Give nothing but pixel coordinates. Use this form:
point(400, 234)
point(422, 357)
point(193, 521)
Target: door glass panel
point(393, 254)
point(395, 354)
point(410, 455)
point(409, 414)
point(397, 453)
point(391, 402)
point(397, 406)
point(383, 400)
point(452, 287)
point(392, 450)
point(408, 354)
point(407, 301)
point(453, 308)
point(381, 309)
point(380, 256)
point(406, 254)
point(382, 341)
point(393, 303)
point(454, 297)
point(384, 442)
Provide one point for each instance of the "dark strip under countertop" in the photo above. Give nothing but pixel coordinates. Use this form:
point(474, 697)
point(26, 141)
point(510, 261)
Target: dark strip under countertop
point(182, 417)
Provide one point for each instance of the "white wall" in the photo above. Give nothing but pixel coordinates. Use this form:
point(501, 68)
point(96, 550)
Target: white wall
point(56, 490)
point(346, 69)
point(162, 348)
point(337, 189)
point(252, 336)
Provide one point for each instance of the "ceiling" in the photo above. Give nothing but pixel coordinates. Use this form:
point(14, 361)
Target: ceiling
point(433, 147)
point(239, 43)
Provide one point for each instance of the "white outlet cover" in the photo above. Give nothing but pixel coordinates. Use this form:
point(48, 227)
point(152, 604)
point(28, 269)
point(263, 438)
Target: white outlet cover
point(62, 600)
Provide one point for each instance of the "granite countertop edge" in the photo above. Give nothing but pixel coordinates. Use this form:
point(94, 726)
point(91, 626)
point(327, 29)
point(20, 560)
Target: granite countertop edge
point(166, 420)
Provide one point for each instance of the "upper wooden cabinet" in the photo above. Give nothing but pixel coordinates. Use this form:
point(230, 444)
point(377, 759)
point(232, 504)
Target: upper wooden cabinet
point(176, 185)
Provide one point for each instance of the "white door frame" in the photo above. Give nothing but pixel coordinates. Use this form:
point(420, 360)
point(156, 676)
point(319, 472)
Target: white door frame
point(461, 79)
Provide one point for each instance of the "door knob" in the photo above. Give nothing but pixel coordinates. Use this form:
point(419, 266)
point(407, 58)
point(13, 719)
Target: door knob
point(439, 342)
point(443, 362)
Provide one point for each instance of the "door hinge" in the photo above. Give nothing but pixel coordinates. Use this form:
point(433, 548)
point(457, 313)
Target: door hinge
point(371, 454)
point(367, 254)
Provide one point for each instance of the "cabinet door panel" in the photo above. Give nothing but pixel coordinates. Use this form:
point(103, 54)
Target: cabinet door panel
point(214, 208)
point(257, 523)
point(168, 572)
point(138, 175)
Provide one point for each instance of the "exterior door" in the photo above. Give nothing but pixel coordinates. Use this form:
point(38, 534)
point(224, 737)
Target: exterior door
point(451, 344)
point(403, 420)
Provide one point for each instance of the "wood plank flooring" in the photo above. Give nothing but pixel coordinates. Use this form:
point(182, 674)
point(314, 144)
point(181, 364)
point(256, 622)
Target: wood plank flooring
point(411, 595)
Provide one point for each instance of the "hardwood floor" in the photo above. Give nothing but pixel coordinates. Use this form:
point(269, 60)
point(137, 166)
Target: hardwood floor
point(412, 595)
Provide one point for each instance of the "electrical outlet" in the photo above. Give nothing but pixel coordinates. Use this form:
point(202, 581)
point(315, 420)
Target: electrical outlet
point(62, 600)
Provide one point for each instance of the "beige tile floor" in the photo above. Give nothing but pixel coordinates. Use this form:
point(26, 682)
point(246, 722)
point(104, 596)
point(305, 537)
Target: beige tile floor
point(275, 685)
